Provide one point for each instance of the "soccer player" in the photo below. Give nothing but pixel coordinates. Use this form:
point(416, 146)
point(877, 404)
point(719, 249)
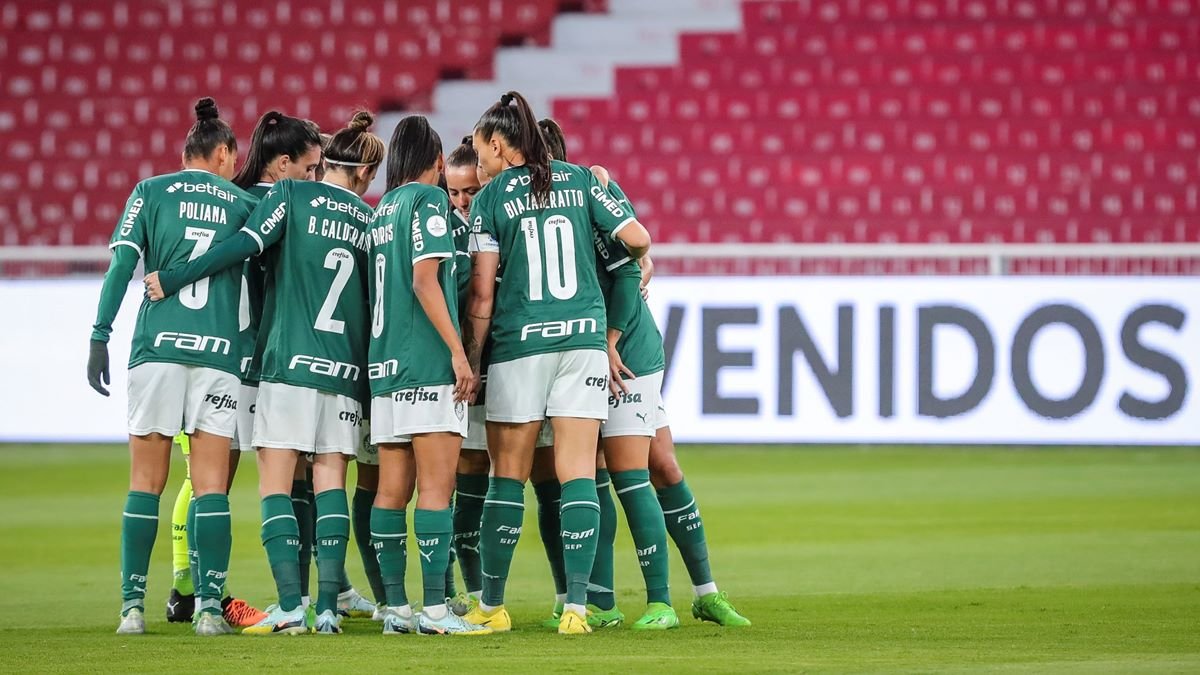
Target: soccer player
point(420, 379)
point(314, 332)
point(471, 481)
point(537, 218)
point(635, 349)
point(280, 147)
point(184, 364)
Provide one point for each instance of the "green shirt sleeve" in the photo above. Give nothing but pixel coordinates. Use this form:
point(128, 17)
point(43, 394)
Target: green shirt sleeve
point(431, 235)
point(232, 251)
point(608, 214)
point(624, 295)
point(116, 281)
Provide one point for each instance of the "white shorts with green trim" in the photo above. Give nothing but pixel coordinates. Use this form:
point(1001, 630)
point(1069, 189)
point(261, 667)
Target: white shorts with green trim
point(307, 420)
point(396, 417)
point(637, 412)
point(558, 384)
point(247, 399)
point(167, 397)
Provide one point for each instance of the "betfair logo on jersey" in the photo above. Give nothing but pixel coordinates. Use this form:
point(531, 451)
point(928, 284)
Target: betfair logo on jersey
point(610, 204)
point(222, 402)
point(193, 343)
point(175, 186)
point(515, 181)
point(319, 366)
point(131, 216)
point(625, 397)
point(415, 396)
point(203, 189)
point(557, 329)
point(318, 201)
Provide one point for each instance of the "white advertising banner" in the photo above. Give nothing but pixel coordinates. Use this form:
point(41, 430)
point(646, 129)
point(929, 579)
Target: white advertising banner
point(1064, 360)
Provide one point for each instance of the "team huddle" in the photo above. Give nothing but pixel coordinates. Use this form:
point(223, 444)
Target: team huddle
point(483, 327)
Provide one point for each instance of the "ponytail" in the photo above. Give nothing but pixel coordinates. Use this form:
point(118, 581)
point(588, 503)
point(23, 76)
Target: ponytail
point(556, 141)
point(275, 134)
point(518, 126)
point(414, 149)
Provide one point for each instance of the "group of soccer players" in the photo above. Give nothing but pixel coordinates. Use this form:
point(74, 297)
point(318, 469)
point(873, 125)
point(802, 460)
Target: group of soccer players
point(486, 322)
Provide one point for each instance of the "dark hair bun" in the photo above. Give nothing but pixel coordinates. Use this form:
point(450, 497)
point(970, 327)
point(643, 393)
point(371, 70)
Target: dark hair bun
point(467, 141)
point(206, 109)
point(361, 121)
point(506, 99)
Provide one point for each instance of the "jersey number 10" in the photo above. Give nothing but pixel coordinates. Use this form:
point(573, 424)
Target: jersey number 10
point(559, 255)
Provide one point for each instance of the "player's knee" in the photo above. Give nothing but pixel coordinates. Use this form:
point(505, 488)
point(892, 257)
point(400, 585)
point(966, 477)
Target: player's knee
point(474, 463)
point(664, 470)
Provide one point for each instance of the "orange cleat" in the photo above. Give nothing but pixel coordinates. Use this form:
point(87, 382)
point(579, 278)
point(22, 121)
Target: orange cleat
point(240, 613)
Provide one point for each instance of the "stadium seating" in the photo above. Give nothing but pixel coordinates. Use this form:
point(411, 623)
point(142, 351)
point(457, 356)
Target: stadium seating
point(914, 121)
point(94, 96)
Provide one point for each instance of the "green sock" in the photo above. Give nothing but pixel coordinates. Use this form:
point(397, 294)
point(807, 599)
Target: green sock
point(361, 512)
point(281, 539)
point(302, 506)
point(213, 541)
point(333, 533)
point(645, 518)
point(503, 511)
point(451, 587)
point(548, 495)
point(600, 587)
point(434, 529)
point(686, 530)
point(389, 530)
point(192, 551)
point(139, 525)
point(471, 490)
point(580, 514)
point(182, 581)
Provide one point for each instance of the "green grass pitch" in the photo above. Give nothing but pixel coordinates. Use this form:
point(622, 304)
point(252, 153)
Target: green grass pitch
point(846, 559)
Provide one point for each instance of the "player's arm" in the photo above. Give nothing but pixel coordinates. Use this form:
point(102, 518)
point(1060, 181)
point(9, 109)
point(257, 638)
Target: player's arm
point(433, 230)
point(264, 228)
point(621, 305)
point(481, 300)
point(128, 242)
point(616, 220)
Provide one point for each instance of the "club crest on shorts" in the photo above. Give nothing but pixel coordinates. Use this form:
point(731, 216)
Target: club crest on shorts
point(460, 409)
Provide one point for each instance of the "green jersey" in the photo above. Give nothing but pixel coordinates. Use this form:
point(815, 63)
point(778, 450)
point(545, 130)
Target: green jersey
point(314, 324)
point(170, 220)
point(406, 350)
point(251, 306)
point(640, 345)
point(549, 299)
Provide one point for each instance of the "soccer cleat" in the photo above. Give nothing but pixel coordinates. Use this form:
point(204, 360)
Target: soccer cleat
point(210, 624)
point(132, 622)
point(328, 622)
point(658, 616)
point(573, 623)
point(715, 607)
point(497, 619)
point(451, 624)
point(460, 604)
point(279, 622)
point(239, 613)
point(604, 618)
point(352, 604)
point(180, 607)
point(394, 624)
point(378, 614)
point(555, 617)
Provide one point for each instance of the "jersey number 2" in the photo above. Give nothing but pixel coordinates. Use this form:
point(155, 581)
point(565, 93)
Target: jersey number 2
point(343, 261)
point(559, 237)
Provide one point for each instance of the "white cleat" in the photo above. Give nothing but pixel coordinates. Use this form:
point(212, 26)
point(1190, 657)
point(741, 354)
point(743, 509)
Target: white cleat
point(328, 623)
point(353, 604)
point(210, 624)
point(394, 624)
point(132, 623)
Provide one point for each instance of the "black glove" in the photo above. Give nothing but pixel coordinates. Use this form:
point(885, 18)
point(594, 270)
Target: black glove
point(98, 366)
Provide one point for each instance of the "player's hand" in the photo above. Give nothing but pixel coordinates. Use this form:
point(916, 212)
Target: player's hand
point(464, 379)
point(645, 292)
point(97, 366)
point(154, 289)
point(616, 367)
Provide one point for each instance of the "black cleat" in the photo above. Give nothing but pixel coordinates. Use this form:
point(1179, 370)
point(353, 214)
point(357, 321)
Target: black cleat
point(180, 607)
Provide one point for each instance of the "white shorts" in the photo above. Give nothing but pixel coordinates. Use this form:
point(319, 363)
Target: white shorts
point(396, 417)
point(307, 420)
point(476, 428)
point(637, 412)
point(545, 437)
point(558, 384)
point(167, 397)
point(243, 439)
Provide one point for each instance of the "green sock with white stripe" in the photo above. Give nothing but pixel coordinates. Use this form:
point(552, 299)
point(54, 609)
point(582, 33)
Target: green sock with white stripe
point(470, 491)
point(645, 518)
point(549, 495)
point(580, 515)
point(503, 511)
point(192, 552)
point(281, 539)
point(333, 534)
point(361, 506)
point(434, 529)
point(213, 541)
point(600, 588)
point(389, 530)
point(687, 530)
point(302, 507)
point(139, 526)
